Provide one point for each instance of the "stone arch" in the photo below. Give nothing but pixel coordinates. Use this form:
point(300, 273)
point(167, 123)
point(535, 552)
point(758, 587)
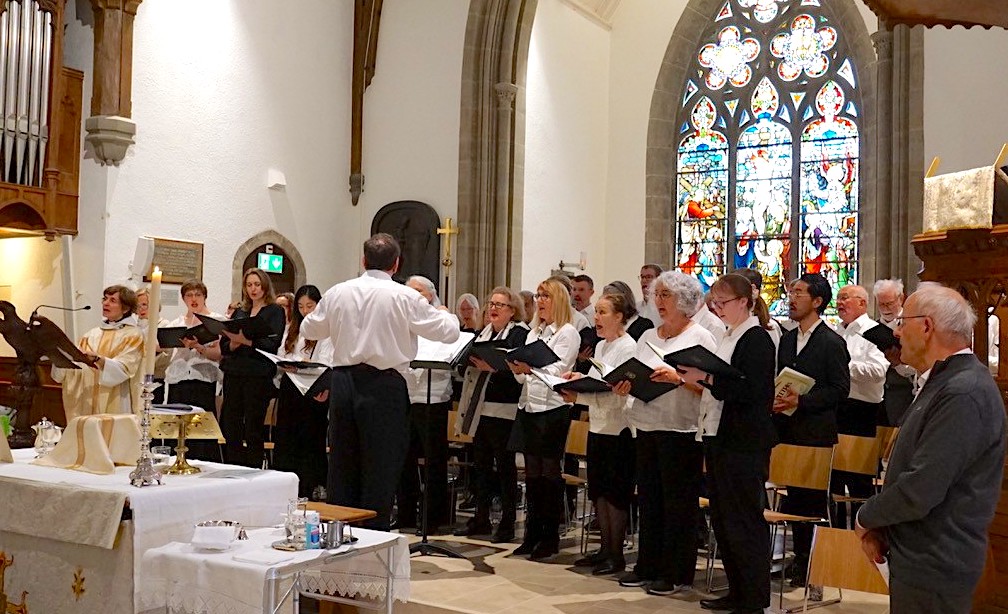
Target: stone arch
point(663, 138)
point(246, 248)
point(492, 144)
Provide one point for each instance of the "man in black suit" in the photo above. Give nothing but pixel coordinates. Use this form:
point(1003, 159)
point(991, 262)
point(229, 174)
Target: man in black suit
point(812, 348)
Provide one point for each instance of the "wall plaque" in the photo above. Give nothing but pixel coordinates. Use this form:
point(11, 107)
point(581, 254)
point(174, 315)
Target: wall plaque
point(178, 260)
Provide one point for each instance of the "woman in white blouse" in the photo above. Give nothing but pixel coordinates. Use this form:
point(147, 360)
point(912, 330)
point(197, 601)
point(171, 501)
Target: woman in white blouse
point(193, 375)
point(669, 458)
point(543, 421)
point(610, 444)
point(302, 419)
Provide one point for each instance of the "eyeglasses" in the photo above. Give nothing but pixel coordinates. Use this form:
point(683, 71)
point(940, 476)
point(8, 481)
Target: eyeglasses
point(664, 295)
point(899, 320)
point(647, 277)
point(721, 304)
point(541, 297)
point(496, 305)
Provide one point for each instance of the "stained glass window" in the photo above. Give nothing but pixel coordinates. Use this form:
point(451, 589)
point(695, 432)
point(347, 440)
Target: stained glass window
point(768, 161)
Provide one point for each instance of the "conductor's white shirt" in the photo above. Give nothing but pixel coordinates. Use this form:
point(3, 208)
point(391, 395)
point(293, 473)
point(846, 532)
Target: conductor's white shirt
point(374, 320)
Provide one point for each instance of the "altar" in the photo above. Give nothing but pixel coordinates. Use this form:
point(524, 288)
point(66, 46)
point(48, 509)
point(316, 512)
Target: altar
point(73, 542)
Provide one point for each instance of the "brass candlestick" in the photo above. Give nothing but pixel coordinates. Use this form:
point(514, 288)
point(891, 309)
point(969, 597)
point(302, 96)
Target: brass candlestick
point(145, 474)
point(182, 466)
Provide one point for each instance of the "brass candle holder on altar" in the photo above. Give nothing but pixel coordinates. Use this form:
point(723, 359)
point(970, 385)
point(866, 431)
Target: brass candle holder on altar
point(182, 466)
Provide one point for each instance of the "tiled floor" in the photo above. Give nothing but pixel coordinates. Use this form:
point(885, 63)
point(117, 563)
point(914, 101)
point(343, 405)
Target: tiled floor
point(492, 581)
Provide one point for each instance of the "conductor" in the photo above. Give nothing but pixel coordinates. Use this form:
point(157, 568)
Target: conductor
point(373, 323)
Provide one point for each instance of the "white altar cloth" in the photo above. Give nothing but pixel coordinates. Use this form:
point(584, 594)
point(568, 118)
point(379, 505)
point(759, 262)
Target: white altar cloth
point(190, 580)
point(160, 515)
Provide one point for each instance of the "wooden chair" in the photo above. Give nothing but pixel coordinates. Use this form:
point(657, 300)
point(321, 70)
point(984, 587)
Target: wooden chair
point(837, 561)
point(887, 441)
point(798, 467)
point(456, 442)
point(855, 455)
point(577, 445)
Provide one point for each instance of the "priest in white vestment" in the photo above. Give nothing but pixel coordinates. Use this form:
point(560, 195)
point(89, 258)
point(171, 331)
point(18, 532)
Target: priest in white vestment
point(111, 384)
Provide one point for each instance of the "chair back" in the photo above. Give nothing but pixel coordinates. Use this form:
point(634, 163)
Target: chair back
point(838, 561)
point(857, 454)
point(887, 439)
point(577, 438)
point(452, 437)
point(801, 466)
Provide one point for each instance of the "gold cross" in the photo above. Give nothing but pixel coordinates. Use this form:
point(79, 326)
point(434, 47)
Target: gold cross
point(448, 231)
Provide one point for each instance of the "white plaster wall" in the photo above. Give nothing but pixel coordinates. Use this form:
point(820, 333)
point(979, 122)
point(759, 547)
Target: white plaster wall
point(566, 152)
point(964, 96)
point(411, 113)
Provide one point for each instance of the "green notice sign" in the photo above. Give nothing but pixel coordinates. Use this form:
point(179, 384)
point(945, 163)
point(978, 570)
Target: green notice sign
point(271, 263)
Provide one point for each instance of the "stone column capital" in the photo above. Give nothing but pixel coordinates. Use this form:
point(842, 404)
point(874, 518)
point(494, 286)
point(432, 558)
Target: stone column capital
point(506, 93)
point(882, 39)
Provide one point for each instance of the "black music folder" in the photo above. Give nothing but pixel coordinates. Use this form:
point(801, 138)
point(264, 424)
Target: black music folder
point(253, 328)
point(536, 354)
point(172, 336)
point(882, 336)
point(701, 358)
point(584, 384)
point(493, 352)
point(639, 376)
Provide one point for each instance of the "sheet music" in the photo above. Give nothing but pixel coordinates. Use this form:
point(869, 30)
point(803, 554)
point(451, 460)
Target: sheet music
point(175, 409)
point(435, 351)
point(304, 379)
point(546, 378)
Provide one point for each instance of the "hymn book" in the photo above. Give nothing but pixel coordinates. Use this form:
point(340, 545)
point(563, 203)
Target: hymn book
point(172, 336)
point(789, 379)
point(882, 336)
point(253, 327)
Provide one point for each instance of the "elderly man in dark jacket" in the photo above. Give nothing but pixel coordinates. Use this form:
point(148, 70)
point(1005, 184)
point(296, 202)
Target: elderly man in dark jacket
point(944, 476)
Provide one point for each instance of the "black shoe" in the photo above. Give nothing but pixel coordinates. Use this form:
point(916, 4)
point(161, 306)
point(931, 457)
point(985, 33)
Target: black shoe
point(719, 604)
point(474, 528)
point(526, 548)
point(609, 566)
point(545, 549)
point(434, 530)
point(468, 504)
point(591, 560)
point(663, 588)
point(502, 535)
point(632, 580)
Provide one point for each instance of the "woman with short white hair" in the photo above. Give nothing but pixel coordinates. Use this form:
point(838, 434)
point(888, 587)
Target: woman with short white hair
point(468, 312)
point(669, 459)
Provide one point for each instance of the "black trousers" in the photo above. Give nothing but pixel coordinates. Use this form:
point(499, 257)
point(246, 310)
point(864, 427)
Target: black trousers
point(299, 437)
point(242, 417)
point(804, 502)
point(201, 394)
point(428, 440)
point(857, 485)
point(736, 481)
point(669, 466)
point(368, 439)
point(490, 449)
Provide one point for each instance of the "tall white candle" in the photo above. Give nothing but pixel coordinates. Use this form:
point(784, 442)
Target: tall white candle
point(153, 317)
